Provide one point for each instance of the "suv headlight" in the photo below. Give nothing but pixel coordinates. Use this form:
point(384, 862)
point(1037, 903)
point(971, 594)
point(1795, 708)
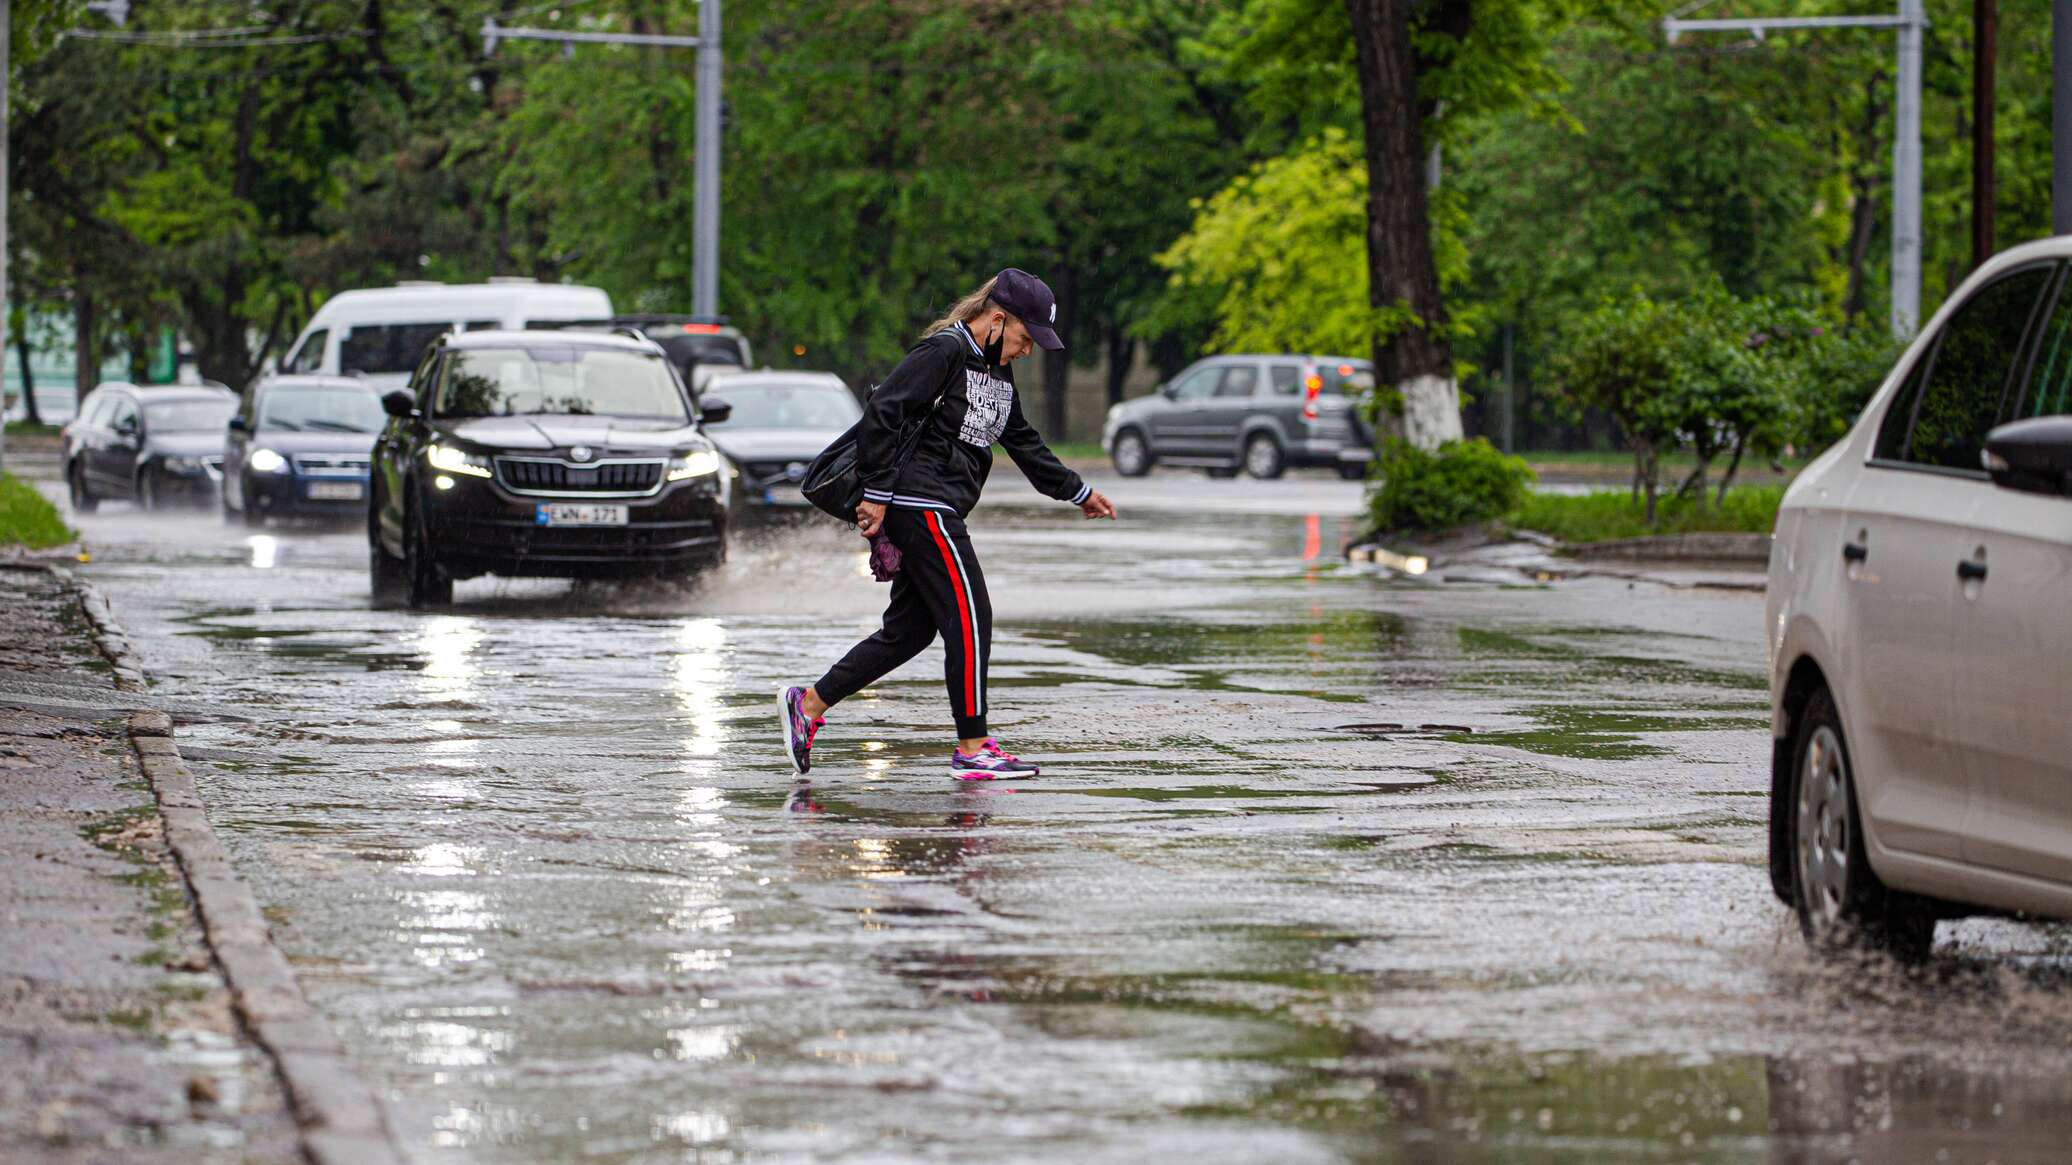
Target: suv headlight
point(266, 461)
point(451, 460)
point(696, 463)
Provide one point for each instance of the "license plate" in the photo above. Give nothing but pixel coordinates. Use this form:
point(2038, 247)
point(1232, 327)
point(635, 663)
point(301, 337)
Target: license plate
point(336, 491)
point(560, 514)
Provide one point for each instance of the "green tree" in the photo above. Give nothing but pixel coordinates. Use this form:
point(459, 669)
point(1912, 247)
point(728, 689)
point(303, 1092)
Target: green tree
point(1277, 251)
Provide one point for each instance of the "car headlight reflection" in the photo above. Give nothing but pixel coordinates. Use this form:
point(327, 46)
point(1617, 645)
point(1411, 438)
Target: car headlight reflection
point(697, 463)
point(446, 457)
point(266, 461)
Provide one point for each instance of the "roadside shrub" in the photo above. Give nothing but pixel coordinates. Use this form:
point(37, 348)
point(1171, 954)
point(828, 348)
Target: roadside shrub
point(1463, 482)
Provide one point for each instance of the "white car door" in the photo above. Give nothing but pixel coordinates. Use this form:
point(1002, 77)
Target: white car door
point(1908, 522)
point(2014, 638)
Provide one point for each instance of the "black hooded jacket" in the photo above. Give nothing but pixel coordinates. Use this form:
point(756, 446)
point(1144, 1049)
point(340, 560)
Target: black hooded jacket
point(963, 407)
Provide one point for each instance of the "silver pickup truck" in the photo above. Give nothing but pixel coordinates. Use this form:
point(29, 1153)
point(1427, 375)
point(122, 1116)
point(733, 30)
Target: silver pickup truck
point(1261, 414)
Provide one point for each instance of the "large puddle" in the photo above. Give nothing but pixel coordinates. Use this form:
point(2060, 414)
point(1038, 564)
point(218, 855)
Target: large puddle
point(1326, 868)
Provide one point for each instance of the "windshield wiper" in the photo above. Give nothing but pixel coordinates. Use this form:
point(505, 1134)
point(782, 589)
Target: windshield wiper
point(288, 425)
point(337, 427)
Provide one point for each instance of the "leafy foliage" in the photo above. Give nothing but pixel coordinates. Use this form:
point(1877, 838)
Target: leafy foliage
point(1280, 252)
point(1460, 483)
point(1716, 375)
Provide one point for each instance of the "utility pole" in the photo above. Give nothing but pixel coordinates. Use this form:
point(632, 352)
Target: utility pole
point(1985, 53)
point(6, 81)
point(2061, 117)
point(1906, 136)
point(705, 209)
point(705, 176)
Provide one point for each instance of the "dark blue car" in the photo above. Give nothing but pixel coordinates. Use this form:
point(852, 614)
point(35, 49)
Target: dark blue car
point(299, 446)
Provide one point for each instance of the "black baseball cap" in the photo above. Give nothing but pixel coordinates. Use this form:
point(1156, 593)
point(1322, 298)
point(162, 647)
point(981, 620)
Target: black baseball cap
point(1030, 301)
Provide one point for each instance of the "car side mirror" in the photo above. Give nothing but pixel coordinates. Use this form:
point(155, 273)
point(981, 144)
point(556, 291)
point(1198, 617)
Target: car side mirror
point(399, 404)
point(127, 427)
point(2033, 456)
point(1168, 391)
point(240, 425)
point(713, 410)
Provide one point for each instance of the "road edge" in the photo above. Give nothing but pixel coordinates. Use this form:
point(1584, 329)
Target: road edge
point(339, 1117)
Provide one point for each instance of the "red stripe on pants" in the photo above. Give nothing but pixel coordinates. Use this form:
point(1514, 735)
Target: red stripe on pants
point(949, 562)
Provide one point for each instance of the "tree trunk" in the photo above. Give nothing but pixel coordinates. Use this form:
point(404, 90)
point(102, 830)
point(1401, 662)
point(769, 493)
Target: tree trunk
point(1863, 187)
point(1417, 358)
point(30, 412)
point(85, 353)
point(1733, 467)
point(1057, 366)
point(139, 354)
point(1650, 478)
point(1122, 355)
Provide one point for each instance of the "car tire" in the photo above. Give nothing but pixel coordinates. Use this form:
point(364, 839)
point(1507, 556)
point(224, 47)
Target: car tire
point(146, 491)
point(1263, 458)
point(1841, 904)
point(1131, 454)
point(83, 500)
point(424, 584)
point(386, 586)
point(1352, 470)
point(253, 517)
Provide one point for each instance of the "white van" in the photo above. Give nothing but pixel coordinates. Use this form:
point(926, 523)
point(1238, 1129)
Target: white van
point(377, 334)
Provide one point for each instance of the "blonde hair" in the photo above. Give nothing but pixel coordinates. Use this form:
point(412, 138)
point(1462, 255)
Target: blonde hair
point(972, 306)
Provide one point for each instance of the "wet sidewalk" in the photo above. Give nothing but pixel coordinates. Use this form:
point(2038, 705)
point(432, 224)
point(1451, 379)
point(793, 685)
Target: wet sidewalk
point(116, 1028)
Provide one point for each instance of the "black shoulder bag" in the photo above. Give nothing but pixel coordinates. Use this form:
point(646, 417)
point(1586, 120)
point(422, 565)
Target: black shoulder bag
point(833, 482)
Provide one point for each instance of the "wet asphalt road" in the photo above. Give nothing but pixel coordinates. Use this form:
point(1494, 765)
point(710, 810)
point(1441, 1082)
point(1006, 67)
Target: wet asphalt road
point(1329, 866)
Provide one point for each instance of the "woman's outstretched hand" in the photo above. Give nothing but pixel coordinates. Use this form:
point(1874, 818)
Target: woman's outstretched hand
point(1097, 505)
point(870, 516)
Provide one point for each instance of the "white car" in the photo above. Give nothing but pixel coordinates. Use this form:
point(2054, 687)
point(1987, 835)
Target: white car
point(1919, 629)
point(379, 333)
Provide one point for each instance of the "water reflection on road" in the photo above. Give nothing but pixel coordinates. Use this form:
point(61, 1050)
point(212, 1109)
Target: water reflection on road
point(1329, 867)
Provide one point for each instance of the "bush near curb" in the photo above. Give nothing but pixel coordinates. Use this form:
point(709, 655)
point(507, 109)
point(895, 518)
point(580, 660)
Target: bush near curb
point(27, 519)
point(1462, 483)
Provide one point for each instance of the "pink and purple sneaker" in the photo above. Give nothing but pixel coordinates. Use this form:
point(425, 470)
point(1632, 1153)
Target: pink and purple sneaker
point(990, 763)
point(798, 730)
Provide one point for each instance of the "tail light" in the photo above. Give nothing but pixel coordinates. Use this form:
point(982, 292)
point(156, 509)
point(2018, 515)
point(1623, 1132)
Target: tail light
point(1313, 386)
point(702, 329)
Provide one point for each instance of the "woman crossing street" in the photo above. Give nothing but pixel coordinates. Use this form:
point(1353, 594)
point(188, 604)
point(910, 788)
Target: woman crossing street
point(955, 386)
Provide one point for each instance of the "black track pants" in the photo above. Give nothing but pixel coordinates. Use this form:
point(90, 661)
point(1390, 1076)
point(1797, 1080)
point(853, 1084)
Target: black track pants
point(938, 590)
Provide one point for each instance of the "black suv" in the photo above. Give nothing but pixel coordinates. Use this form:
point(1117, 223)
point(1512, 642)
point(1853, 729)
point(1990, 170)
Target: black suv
point(555, 454)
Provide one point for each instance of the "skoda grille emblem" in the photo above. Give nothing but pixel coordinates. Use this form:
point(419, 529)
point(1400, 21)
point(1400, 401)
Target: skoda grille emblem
point(580, 453)
point(795, 471)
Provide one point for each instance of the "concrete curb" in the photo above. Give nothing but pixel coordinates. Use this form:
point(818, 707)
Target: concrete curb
point(1712, 547)
point(340, 1118)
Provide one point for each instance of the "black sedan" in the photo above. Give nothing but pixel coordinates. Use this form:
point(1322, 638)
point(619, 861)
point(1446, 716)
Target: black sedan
point(550, 454)
point(300, 446)
point(778, 422)
point(159, 446)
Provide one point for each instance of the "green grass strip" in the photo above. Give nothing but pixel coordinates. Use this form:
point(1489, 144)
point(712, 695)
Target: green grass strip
point(27, 519)
point(1608, 514)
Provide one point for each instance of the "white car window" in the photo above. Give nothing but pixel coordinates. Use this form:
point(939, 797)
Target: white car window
point(2050, 385)
point(1941, 419)
point(310, 356)
point(1238, 380)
